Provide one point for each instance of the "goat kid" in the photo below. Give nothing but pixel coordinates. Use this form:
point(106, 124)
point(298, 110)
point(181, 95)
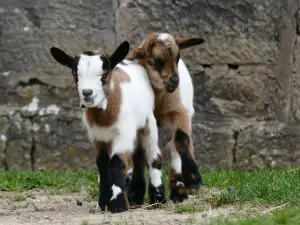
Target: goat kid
point(118, 103)
point(159, 54)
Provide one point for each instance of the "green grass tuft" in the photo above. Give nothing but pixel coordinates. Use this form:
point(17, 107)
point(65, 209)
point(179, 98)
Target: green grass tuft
point(15, 180)
point(284, 217)
point(190, 207)
point(268, 186)
point(18, 198)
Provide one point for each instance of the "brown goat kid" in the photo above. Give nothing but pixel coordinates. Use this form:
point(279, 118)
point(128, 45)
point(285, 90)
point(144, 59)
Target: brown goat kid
point(159, 54)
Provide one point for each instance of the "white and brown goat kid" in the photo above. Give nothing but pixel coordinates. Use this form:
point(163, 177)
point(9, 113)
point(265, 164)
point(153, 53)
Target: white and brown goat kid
point(118, 103)
point(159, 54)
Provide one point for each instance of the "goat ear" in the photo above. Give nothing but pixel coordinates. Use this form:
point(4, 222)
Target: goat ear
point(119, 54)
point(62, 57)
point(137, 53)
point(188, 42)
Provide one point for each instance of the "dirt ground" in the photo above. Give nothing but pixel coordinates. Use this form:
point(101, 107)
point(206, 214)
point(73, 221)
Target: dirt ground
point(45, 207)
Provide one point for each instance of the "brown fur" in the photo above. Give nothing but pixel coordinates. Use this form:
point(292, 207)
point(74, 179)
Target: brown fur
point(168, 105)
point(154, 49)
point(110, 115)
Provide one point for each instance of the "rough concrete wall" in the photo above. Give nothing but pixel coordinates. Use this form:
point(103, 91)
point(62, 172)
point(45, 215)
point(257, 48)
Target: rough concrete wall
point(246, 76)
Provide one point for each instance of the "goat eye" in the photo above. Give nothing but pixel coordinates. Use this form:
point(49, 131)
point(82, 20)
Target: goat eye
point(104, 77)
point(151, 62)
point(159, 63)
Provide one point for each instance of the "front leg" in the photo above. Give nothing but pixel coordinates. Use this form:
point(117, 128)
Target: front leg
point(182, 132)
point(104, 177)
point(176, 183)
point(118, 201)
point(190, 171)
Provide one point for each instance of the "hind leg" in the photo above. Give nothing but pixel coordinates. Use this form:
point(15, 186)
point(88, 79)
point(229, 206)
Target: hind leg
point(137, 185)
point(149, 139)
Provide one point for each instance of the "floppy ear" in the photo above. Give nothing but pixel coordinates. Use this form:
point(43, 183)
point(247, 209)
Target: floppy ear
point(188, 42)
point(119, 54)
point(137, 53)
point(61, 57)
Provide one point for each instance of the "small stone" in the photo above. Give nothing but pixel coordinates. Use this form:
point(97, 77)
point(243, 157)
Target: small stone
point(92, 210)
point(78, 202)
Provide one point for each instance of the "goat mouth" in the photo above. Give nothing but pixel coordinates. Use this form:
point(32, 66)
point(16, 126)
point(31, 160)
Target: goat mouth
point(87, 103)
point(171, 87)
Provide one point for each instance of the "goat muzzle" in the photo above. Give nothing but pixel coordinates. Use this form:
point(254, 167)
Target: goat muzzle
point(172, 83)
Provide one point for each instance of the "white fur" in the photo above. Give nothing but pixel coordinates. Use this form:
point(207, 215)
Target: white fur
point(164, 37)
point(149, 143)
point(155, 177)
point(89, 72)
point(179, 183)
point(116, 190)
point(175, 157)
point(186, 88)
point(136, 110)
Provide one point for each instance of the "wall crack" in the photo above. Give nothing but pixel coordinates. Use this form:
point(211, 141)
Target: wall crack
point(235, 137)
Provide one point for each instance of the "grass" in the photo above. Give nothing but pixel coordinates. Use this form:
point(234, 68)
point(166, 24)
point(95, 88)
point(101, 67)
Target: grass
point(15, 180)
point(289, 216)
point(188, 207)
point(18, 198)
point(268, 186)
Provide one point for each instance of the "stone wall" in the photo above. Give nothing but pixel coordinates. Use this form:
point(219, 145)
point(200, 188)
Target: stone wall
point(246, 76)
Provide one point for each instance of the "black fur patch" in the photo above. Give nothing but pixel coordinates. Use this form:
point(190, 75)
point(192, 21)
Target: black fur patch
point(89, 53)
point(106, 63)
point(178, 57)
point(74, 68)
point(105, 182)
point(190, 171)
point(116, 168)
point(156, 195)
point(137, 186)
point(178, 192)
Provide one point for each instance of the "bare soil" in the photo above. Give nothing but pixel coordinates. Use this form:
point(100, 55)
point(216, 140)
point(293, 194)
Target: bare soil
point(47, 207)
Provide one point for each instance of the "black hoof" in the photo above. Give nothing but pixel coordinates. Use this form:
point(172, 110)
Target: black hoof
point(190, 173)
point(118, 205)
point(178, 193)
point(104, 194)
point(136, 191)
point(191, 177)
point(157, 195)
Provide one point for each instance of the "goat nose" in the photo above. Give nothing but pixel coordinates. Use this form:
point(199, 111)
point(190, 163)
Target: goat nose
point(87, 92)
point(174, 78)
